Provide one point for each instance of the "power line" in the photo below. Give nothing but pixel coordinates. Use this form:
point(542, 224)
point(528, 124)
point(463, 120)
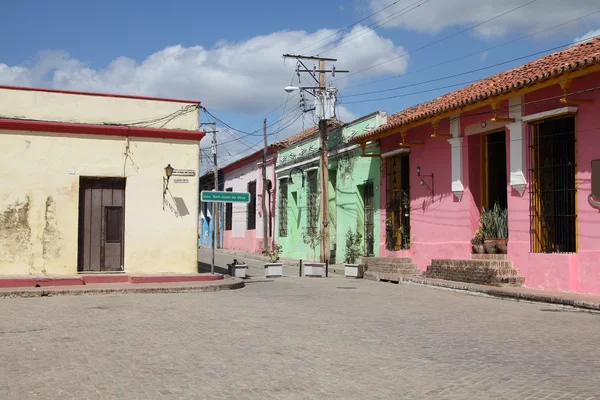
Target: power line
point(440, 40)
point(374, 26)
point(348, 27)
point(466, 72)
point(475, 53)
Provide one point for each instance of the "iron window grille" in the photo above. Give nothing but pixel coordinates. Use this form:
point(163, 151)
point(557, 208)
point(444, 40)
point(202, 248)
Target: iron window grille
point(312, 212)
point(553, 191)
point(397, 232)
point(283, 207)
point(251, 213)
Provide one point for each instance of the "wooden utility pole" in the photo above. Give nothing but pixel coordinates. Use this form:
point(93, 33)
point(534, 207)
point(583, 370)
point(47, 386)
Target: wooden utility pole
point(320, 93)
point(264, 191)
point(216, 172)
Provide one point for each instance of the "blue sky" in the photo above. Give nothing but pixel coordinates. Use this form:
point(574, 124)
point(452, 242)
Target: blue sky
point(228, 53)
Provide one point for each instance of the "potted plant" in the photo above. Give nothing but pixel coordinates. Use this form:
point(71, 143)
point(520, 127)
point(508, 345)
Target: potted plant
point(494, 224)
point(312, 238)
point(237, 269)
point(273, 268)
point(477, 242)
point(354, 249)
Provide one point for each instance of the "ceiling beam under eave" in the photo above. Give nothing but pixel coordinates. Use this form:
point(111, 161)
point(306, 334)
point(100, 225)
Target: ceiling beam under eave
point(487, 102)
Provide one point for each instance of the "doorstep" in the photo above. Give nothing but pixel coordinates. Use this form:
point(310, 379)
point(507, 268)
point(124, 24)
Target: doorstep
point(33, 281)
point(125, 288)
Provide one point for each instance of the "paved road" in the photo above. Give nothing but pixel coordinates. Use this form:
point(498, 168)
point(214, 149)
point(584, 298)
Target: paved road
point(255, 267)
point(297, 338)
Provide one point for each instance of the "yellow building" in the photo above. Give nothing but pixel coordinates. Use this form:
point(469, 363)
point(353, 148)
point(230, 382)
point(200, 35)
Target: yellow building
point(84, 186)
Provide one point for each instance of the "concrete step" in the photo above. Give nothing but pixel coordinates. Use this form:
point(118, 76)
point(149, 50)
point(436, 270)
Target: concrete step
point(492, 257)
point(471, 263)
point(386, 260)
point(509, 280)
point(386, 277)
point(398, 268)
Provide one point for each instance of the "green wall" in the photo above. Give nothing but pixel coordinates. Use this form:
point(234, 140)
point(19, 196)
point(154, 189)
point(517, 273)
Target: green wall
point(348, 172)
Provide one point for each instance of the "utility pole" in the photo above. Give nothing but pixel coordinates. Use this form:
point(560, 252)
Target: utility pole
point(216, 172)
point(321, 93)
point(264, 191)
point(215, 205)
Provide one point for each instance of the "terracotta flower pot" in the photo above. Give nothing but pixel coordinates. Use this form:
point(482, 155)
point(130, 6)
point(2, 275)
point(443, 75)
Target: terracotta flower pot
point(478, 248)
point(496, 246)
point(490, 246)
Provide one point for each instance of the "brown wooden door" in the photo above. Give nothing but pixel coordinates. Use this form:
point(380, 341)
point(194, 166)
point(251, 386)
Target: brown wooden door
point(101, 224)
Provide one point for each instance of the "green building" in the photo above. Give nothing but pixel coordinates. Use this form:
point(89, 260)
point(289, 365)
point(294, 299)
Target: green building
point(353, 191)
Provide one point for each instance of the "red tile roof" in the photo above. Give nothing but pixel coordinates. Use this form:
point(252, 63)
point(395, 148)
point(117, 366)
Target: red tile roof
point(305, 134)
point(561, 62)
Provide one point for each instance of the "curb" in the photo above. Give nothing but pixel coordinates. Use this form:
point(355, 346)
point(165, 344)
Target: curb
point(503, 293)
point(224, 284)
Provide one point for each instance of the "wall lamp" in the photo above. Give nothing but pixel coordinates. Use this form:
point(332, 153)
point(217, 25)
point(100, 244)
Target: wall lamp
point(423, 183)
point(168, 172)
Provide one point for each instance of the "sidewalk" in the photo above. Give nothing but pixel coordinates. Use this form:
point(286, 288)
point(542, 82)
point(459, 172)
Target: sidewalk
point(579, 300)
point(243, 255)
point(110, 284)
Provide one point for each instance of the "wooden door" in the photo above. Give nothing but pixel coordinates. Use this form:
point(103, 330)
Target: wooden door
point(101, 224)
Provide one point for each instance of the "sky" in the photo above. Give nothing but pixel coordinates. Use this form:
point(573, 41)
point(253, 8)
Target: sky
point(228, 54)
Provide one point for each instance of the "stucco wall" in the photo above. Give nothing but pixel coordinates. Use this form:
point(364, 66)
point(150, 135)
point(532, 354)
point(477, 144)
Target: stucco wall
point(239, 237)
point(39, 178)
point(48, 106)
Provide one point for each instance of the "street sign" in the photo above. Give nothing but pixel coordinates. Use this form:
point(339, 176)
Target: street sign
point(184, 172)
point(224, 197)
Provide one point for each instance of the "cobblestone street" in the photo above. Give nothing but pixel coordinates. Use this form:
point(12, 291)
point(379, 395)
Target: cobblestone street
point(297, 338)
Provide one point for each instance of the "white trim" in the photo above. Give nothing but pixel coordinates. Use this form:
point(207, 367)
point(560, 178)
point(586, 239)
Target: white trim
point(289, 167)
point(394, 152)
point(457, 170)
point(550, 113)
point(311, 169)
point(476, 129)
point(517, 132)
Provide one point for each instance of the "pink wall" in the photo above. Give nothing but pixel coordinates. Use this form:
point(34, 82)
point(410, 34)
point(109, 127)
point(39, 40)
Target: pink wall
point(441, 226)
point(578, 272)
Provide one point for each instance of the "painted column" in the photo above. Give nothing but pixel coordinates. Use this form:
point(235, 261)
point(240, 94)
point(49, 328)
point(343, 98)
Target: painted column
point(517, 131)
point(457, 169)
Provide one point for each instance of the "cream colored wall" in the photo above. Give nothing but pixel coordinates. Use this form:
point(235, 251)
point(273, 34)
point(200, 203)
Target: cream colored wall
point(47, 106)
point(39, 190)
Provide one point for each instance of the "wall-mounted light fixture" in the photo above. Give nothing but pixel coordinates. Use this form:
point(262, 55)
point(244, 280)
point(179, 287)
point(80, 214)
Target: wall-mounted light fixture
point(168, 172)
point(423, 183)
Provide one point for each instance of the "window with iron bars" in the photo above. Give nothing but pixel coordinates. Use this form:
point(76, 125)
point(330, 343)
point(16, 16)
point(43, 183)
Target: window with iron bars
point(283, 207)
point(312, 212)
point(251, 222)
point(228, 212)
point(553, 190)
point(397, 224)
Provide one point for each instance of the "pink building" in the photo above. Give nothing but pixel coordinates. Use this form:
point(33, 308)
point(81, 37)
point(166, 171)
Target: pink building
point(525, 139)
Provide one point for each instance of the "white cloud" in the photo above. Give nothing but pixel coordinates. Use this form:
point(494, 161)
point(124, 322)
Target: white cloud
point(436, 15)
point(587, 36)
point(244, 77)
point(483, 55)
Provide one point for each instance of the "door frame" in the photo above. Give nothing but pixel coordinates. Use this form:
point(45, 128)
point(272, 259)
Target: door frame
point(81, 227)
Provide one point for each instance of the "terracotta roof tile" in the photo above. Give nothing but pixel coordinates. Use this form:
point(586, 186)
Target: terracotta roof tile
point(576, 57)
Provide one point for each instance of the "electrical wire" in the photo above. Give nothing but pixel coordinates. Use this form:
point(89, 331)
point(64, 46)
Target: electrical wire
point(348, 27)
point(438, 41)
point(467, 72)
point(370, 83)
point(373, 26)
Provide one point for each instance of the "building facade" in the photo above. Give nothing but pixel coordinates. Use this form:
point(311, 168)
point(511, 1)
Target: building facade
point(84, 186)
point(353, 192)
point(526, 140)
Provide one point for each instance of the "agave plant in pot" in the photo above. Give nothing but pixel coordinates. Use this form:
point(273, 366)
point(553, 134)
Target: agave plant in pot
point(494, 224)
point(354, 249)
